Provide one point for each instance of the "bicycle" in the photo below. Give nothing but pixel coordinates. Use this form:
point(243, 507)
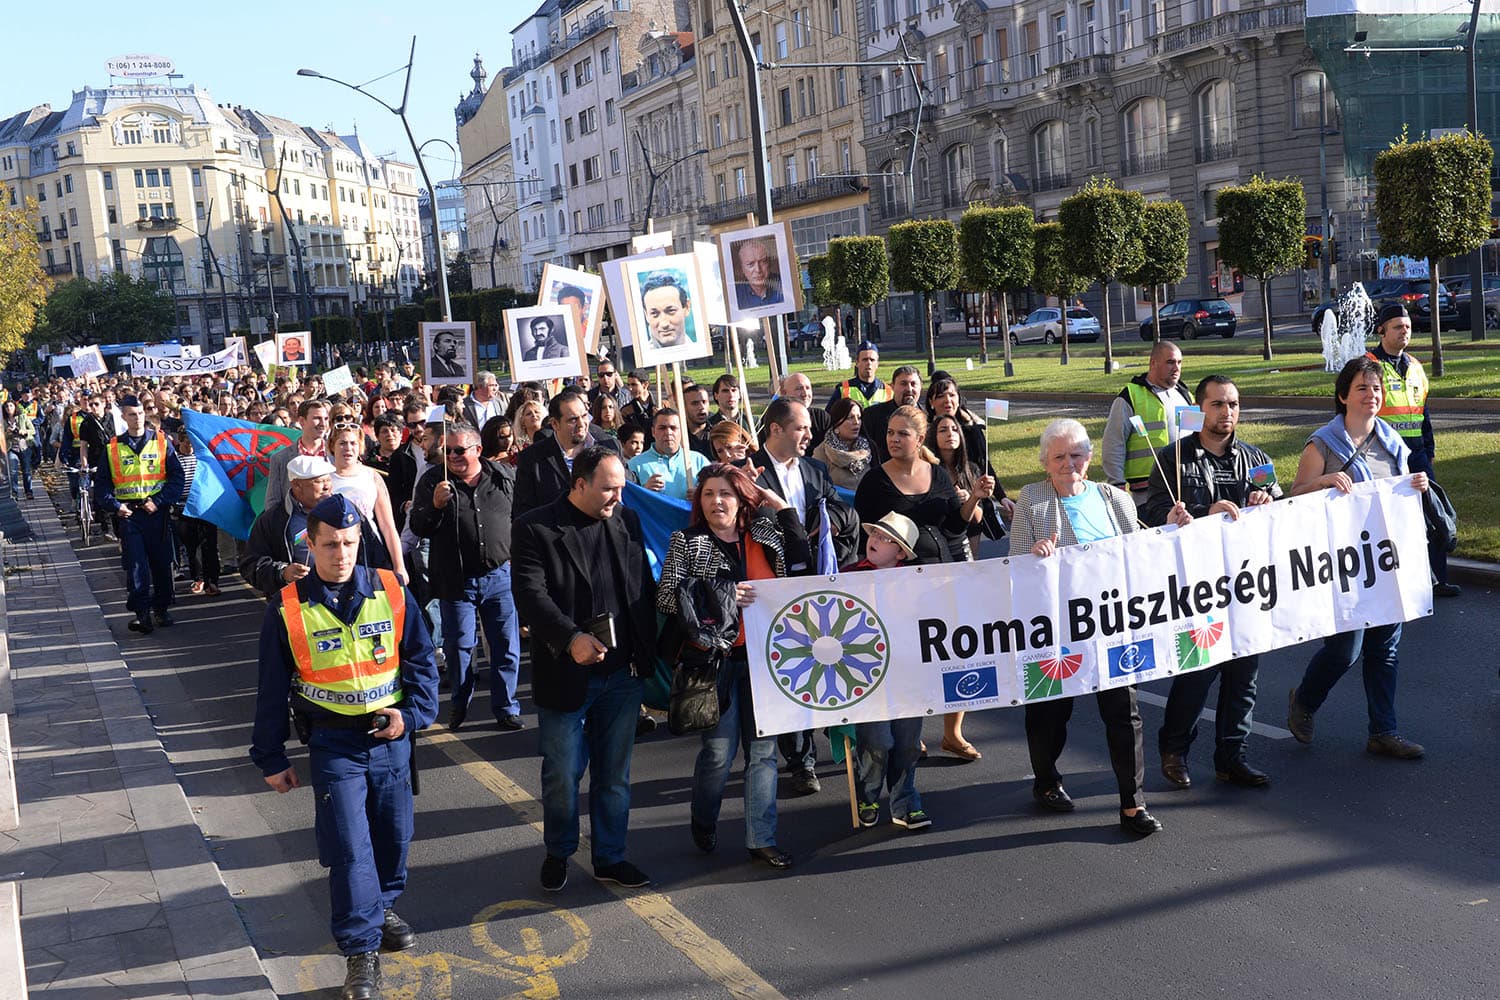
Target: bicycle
point(85, 501)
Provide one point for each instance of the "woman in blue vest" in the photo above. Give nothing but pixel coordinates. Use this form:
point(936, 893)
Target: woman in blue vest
point(1353, 447)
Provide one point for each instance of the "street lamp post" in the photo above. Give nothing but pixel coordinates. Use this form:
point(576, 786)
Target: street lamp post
point(291, 236)
point(400, 112)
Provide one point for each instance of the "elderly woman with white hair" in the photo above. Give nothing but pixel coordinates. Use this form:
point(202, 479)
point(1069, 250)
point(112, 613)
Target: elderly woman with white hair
point(1066, 509)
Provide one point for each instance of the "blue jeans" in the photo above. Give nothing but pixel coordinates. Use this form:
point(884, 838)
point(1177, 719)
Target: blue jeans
point(1379, 644)
point(363, 826)
point(146, 556)
point(20, 473)
point(736, 728)
point(486, 598)
point(888, 755)
point(1185, 703)
point(599, 736)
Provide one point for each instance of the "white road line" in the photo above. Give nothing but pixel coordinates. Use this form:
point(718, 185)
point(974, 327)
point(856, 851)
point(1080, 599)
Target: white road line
point(1208, 715)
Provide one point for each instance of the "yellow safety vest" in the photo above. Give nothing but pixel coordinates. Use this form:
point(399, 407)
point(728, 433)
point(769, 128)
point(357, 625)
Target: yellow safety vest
point(74, 423)
point(349, 669)
point(1139, 450)
point(137, 477)
point(1405, 399)
point(30, 409)
point(884, 394)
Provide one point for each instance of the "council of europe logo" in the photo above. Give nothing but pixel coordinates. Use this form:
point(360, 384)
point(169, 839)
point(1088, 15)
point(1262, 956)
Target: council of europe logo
point(827, 650)
point(970, 685)
point(1132, 658)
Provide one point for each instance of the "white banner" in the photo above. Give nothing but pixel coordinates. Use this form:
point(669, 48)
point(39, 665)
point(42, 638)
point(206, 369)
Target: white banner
point(906, 642)
point(146, 364)
point(87, 362)
point(338, 379)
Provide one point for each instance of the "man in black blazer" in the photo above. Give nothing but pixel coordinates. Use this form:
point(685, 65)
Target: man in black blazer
point(802, 482)
point(542, 473)
point(582, 583)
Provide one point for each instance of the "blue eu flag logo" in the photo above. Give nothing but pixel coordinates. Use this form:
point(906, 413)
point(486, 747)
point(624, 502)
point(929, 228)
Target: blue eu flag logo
point(970, 685)
point(1134, 658)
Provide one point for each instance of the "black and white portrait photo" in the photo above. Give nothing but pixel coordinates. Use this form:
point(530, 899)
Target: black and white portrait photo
point(582, 293)
point(543, 343)
point(448, 353)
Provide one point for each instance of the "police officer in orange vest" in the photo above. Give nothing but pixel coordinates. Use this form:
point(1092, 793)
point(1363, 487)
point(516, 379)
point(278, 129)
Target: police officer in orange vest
point(347, 647)
point(138, 480)
point(865, 388)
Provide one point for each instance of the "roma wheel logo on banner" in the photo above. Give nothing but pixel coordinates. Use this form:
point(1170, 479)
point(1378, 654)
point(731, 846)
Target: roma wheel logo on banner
point(827, 651)
point(1044, 678)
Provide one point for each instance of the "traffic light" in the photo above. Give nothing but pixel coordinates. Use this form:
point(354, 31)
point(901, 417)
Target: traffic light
point(1312, 251)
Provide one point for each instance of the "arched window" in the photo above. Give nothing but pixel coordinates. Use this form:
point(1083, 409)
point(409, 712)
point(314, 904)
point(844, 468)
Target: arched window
point(1307, 88)
point(1145, 129)
point(1092, 154)
point(1000, 158)
point(1216, 121)
point(1049, 156)
point(924, 180)
point(890, 189)
point(958, 173)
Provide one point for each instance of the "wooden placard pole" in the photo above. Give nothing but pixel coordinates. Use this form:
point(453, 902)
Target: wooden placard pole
point(739, 366)
point(849, 770)
point(687, 468)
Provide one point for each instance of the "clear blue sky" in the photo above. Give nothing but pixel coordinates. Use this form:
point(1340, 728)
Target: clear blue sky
point(249, 54)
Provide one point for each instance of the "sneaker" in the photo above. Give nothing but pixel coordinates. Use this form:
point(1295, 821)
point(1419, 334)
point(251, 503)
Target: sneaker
point(869, 813)
point(554, 873)
point(1394, 745)
point(1446, 590)
point(1298, 719)
point(917, 819)
point(621, 873)
point(361, 976)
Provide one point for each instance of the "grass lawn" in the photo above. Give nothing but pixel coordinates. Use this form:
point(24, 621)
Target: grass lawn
point(1470, 370)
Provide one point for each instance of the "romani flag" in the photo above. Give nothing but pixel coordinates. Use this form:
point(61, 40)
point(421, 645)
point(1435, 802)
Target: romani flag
point(234, 461)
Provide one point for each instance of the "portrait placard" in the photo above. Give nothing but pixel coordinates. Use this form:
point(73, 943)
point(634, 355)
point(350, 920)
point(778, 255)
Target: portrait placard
point(666, 301)
point(448, 353)
point(543, 343)
point(760, 272)
point(294, 349)
point(580, 291)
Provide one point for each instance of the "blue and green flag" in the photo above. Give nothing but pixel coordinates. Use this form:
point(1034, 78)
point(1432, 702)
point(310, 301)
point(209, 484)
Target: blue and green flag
point(234, 462)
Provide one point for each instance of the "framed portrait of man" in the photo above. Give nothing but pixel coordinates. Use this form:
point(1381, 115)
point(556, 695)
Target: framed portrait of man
point(448, 353)
point(664, 293)
point(619, 297)
point(760, 272)
point(543, 343)
point(294, 349)
point(582, 293)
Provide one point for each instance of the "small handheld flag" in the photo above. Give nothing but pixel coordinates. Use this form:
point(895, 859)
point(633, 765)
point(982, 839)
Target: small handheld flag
point(1138, 425)
point(1189, 419)
point(996, 409)
point(1263, 475)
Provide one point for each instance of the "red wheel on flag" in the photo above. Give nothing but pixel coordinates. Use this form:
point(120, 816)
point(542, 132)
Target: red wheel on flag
point(245, 453)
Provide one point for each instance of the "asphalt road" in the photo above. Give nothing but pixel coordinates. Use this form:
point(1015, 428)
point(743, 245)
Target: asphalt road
point(1349, 877)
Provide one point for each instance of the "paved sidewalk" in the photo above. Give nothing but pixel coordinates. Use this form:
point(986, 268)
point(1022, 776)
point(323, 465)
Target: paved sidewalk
point(119, 895)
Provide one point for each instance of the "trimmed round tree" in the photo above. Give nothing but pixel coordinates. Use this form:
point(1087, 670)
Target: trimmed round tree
point(1164, 237)
point(1052, 272)
point(924, 259)
point(1102, 238)
point(1432, 200)
point(1261, 225)
point(996, 250)
point(858, 276)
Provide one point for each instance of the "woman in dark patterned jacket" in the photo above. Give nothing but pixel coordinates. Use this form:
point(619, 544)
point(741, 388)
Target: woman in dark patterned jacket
point(742, 533)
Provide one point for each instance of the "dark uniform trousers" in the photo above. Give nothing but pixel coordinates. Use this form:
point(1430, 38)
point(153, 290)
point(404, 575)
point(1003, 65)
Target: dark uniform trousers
point(146, 556)
point(363, 826)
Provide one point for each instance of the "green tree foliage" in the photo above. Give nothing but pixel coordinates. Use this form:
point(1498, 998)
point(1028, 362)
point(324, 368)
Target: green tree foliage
point(859, 274)
point(924, 259)
point(997, 253)
point(822, 287)
point(116, 309)
point(1432, 200)
point(1261, 225)
point(1164, 238)
point(1053, 273)
point(1102, 239)
point(23, 283)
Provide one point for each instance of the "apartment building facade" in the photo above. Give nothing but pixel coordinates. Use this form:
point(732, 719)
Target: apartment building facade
point(158, 180)
point(532, 90)
point(489, 185)
point(663, 122)
point(1024, 101)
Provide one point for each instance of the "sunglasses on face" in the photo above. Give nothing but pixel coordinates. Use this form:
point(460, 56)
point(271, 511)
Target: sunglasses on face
point(459, 452)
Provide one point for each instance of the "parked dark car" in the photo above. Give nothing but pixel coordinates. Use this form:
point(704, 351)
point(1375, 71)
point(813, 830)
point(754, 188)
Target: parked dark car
point(1188, 318)
point(1412, 293)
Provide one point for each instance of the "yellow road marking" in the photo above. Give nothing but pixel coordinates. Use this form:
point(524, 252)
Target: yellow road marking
point(671, 924)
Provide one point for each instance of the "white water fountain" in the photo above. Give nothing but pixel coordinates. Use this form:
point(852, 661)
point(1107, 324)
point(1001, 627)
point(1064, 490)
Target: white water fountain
point(1344, 334)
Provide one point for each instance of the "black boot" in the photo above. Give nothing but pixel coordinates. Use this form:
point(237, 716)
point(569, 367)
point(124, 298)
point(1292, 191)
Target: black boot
point(362, 980)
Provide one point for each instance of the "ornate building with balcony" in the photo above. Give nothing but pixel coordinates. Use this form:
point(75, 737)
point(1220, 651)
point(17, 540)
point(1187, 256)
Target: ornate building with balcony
point(664, 135)
point(814, 131)
point(531, 91)
point(490, 188)
point(158, 180)
point(1024, 101)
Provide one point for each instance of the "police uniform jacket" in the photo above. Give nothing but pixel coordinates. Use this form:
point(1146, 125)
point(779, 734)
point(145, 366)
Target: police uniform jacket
point(419, 681)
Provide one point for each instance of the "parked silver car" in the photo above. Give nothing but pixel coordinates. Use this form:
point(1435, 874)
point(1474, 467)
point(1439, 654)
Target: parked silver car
point(1045, 326)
